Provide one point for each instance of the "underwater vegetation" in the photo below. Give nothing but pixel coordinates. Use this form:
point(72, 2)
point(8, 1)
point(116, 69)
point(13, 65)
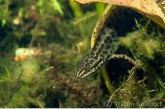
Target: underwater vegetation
point(144, 86)
point(141, 44)
point(61, 30)
point(44, 79)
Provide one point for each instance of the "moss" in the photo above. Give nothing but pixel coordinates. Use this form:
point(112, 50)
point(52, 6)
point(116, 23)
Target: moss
point(151, 47)
point(145, 84)
point(141, 44)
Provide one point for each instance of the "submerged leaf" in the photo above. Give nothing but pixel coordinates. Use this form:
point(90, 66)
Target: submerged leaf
point(148, 8)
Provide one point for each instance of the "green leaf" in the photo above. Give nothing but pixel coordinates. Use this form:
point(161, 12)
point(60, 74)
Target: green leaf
point(57, 6)
point(3, 22)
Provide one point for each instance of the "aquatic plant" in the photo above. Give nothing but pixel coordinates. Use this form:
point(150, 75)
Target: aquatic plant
point(142, 44)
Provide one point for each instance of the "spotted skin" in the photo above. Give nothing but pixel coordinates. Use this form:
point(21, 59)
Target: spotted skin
point(102, 51)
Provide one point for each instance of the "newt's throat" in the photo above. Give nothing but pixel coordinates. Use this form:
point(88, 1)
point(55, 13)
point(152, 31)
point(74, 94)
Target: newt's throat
point(103, 50)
